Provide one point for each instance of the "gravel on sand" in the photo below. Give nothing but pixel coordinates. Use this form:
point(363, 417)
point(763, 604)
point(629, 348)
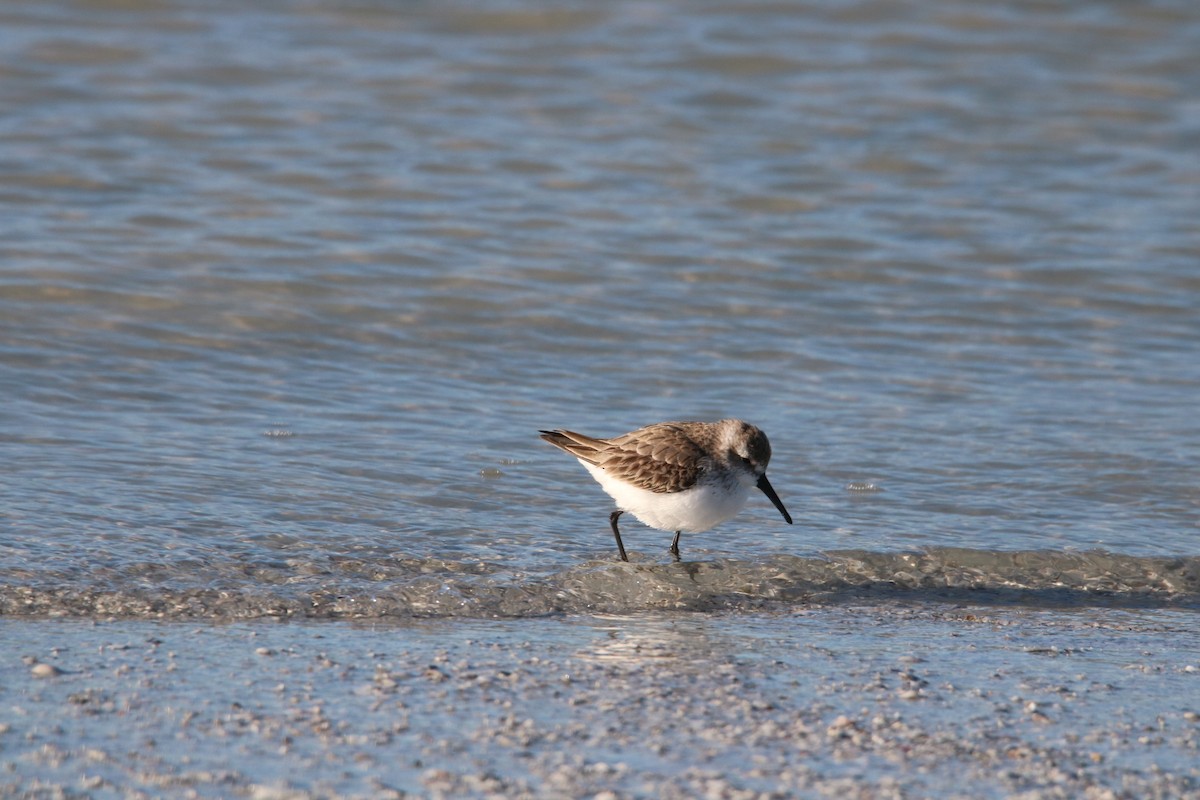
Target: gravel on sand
point(878, 702)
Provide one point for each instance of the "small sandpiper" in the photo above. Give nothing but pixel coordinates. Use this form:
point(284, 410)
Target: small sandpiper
point(676, 476)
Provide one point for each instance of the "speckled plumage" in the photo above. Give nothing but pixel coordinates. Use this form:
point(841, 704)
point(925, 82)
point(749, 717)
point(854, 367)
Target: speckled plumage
point(680, 476)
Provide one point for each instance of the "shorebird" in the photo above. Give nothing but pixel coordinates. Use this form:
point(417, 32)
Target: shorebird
point(676, 476)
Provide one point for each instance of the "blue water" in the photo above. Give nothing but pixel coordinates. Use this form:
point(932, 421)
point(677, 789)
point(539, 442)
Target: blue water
point(287, 292)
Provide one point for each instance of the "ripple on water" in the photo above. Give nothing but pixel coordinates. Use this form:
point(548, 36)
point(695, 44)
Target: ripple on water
point(354, 588)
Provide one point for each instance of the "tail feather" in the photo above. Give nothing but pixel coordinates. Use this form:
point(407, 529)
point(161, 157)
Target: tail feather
point(578, 445)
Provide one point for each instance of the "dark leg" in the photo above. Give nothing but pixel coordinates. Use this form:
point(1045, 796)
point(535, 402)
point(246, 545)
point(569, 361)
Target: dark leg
point(675, 546)
point(612, 518)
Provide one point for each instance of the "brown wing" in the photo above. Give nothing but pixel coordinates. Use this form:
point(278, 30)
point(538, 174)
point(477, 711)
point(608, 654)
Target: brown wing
point(660, 458)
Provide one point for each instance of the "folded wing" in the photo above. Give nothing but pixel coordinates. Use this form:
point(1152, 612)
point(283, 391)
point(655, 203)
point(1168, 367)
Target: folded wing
point(662, 460)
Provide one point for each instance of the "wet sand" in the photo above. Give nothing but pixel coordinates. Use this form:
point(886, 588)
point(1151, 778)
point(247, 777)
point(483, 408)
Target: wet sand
point(839, 701)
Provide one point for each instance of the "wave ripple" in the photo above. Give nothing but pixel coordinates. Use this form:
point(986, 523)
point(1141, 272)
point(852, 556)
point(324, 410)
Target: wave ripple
point(412, 588)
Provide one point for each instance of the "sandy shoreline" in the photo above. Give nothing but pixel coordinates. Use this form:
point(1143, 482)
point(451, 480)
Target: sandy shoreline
point(823, 702)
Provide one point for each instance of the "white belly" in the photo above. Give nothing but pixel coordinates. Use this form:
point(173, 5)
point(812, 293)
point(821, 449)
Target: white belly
point(691, 511)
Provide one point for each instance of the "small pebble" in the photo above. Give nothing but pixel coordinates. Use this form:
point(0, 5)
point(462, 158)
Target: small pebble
point(45, 671)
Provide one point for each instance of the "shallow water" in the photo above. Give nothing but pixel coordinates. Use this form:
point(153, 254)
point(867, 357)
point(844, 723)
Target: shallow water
point(286, 293)
point(377, 587)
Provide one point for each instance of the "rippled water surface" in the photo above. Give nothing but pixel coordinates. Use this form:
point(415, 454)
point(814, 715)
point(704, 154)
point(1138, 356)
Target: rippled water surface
point(286, 291)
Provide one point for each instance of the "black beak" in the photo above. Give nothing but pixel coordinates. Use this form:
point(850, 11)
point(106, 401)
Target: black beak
point(765, 485)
